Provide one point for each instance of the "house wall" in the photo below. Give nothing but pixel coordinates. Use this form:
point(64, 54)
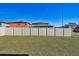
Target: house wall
point(3, 25)
point(19, 25)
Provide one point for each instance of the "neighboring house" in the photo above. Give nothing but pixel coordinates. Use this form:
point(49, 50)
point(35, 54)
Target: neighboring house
point(41, 24)
point(71, 24)
point(19, 24)
point(3, 24)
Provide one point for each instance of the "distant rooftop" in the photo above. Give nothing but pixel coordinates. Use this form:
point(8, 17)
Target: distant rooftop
point(71, 23)
point(2, 22)
point(17, 22)
point(39, 23)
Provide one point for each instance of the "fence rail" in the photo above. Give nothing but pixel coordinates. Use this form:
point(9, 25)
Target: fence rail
point(35, 31)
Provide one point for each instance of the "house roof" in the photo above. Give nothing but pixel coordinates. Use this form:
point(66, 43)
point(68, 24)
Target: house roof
point(42, 26)
point(2, 22)
point(39, 23)
point(17, 22)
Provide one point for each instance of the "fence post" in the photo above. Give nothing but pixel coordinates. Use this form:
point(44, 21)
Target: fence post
point(13, 31)
point(46, 31)
point(63, 31)
point(30, 31)
point(54, 31)
point(38, 31)
point(22, 31)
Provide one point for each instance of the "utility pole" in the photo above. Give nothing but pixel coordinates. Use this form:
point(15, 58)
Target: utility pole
point(62, 18)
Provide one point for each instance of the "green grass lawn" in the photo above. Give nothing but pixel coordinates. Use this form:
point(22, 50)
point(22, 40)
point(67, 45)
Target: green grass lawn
point(36, 46)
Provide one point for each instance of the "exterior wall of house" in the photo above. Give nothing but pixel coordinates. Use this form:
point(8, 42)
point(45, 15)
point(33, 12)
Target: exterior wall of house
point(41, 25)
point(19, 25)
point(13, 25)
point(3, 25)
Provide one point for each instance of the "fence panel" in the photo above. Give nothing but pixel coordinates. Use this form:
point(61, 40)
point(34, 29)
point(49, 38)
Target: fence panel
point(50, 31)
point(67, 31)
point(59, 31)
point(42, 31)
point(17, 31)
point(34, 31)
point(8, 31)
point(26, 31)
point(2, 31)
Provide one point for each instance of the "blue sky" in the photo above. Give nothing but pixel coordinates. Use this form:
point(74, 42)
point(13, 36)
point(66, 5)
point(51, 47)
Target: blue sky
point(30, 12)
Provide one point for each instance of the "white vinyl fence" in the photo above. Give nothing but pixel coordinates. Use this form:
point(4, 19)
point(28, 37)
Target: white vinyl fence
point(35, 31)
point(2, 31)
